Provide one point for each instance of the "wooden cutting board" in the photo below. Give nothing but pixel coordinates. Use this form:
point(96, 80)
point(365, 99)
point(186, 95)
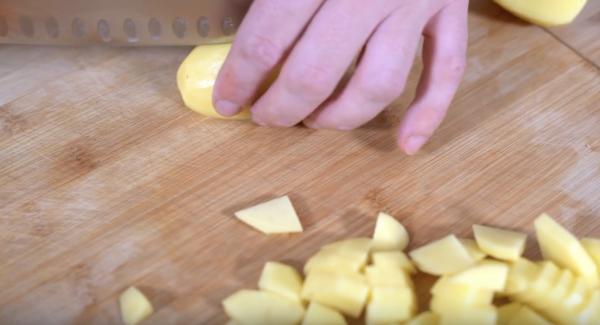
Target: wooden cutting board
point(107, 181)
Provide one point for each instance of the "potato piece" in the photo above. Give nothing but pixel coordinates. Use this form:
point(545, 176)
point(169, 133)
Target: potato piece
point(344, 291)
point(543, 282)
point(424, 318)
point(272, 217)
point(544, 12)
point(592, 246)
point(254, 307)
point(448, 297)
point(443, 256)
point(560, 246)
point(589, 313)
point(394, 259)
point(520, 275)
point(196, 77)
point(556, 294)
point(135, 307)
point(487, 274)
point(507, 312)
point(486, 315)
point(379, 276)
point(499, 243)
point(389, 234)
point(526, 316)
point(473, 248)
point(577, 294)
point(232, 322)
point(318, 314)
point(390, 304)
point(281, 279)
point(350, 254)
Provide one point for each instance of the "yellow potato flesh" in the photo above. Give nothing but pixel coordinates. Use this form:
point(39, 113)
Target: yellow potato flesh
point(251, 307)
point(135, 307)
point(521, 273)
point(507, 312)
point(490, 275)
point(344, 291)
point(544, 12)
point(443, 256)
point(526, 316)
point(317, 314)
point(276, 216)
point(543, 282)
point(379, 276)
point(499, 243)
point(397, 260)
point(390, 304)
point(424, 318)
point(592, 246)
point(560, 246)
point(281, 279)
point(473, 248)
point(472, 316)
point(196, 77)
point(351, 255)
point(389, 234)
point(447, 296)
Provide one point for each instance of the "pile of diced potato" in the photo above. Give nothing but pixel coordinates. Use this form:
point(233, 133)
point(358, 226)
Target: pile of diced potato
point(371, 278)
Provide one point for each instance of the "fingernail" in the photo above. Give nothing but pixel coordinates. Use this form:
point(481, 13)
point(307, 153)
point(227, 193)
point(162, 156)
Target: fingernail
point(414, 143)
point(227, 108)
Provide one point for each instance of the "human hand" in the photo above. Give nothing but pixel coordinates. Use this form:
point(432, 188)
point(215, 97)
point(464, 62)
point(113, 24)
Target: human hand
point(315, 42)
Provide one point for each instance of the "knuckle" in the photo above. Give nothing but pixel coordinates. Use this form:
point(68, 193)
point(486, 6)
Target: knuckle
point(261, 50)
point(312, 81)
point(382, 88)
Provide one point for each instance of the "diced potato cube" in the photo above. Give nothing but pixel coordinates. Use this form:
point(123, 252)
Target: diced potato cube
point(332, 261)
point(351, 255)
point(507, 312)
point(526, 316)
point(577, 294)
point(558, 291)
point(424, 318)
point(592, 246)
point(543, 282)
point(281, 279)
point(443, 256)
point(273, 217)
point(318, 314)
point(135, 307)
point(447, 296)
point(589, 313)
point(393, 259)
point(389, 234)
point(560, 246)
point(486, 315)
point(499, 243)
point(379, 276)
point(520, 275)
point(390, 304)
point(486, 274)
point(473, 248)
point(260, 307)
point(343, 291)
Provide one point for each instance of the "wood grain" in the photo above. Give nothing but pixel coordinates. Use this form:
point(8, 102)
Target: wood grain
point(583, 35)
point(108, 181)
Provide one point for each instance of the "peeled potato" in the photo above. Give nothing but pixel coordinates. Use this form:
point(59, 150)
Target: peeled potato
point(259, 307)
point(544, 12)
point(135, 307)
point(488, 274)
point(560, 246)
point(499, 243)
point(281, 279)
point(389, 234)
point(443, 256)
point(196, 77)
point(318, 314)
point(276, 216)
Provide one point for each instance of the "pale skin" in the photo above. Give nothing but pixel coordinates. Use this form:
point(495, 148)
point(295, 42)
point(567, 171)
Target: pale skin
point(315, 41)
